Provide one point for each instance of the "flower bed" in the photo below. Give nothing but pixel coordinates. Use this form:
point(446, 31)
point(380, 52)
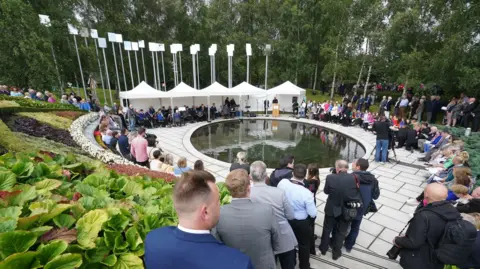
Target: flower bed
point(48, 118)
point(104, 155)
point(33, 127)
point(72, 115)
point(134, 170)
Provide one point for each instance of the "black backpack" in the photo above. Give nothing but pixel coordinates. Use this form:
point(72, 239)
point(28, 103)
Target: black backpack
point(456, 243)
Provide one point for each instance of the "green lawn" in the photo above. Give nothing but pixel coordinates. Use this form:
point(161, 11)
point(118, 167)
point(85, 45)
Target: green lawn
point(100, 93)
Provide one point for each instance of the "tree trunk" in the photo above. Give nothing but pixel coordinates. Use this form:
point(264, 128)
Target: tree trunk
point(334, 73)
point(359, 76)
point(366, 83)
point(315, 79)
point(406, 84)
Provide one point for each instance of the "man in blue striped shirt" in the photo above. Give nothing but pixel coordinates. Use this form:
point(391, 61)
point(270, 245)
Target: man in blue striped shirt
point(304, 211)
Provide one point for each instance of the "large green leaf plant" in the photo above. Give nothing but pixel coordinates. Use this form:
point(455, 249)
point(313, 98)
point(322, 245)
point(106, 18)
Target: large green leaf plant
point(56, 213)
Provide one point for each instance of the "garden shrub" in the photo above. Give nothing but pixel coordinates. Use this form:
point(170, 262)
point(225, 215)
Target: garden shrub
point(49, 118)
point(25, 102)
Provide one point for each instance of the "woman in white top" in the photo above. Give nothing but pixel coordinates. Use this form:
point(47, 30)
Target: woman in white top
point(156, 164)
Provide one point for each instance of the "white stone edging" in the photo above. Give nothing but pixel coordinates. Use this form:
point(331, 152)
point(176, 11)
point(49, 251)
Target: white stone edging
point(330, 126)
point(77, 132)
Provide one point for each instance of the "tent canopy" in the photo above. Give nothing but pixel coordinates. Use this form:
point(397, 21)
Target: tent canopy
point(216, 89)
point(245, 88)
point(287, 88)
point(142, 91)
point(183, 90)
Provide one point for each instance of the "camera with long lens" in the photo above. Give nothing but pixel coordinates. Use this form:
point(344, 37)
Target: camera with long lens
point(393, 253)
point(333, 170)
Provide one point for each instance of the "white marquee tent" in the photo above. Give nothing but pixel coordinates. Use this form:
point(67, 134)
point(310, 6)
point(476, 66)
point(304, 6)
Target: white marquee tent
point(285, 93)
point(143, 96)
point(183, 94)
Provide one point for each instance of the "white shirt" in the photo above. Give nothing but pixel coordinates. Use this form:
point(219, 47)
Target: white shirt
point(190, 231)
point(300, 198)
point(155, 165)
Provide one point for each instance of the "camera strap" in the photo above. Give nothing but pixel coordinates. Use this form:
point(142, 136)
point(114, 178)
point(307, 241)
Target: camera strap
point(400, 233)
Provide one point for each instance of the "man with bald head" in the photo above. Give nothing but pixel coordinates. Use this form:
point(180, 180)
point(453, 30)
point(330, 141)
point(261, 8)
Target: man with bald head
point(426, 229)
point(341, 189)
point(190, 244)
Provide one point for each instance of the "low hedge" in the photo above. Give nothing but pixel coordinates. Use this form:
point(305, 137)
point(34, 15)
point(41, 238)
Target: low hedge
point(26, 102)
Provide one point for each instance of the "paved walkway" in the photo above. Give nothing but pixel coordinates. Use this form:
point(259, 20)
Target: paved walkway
point(398, 182)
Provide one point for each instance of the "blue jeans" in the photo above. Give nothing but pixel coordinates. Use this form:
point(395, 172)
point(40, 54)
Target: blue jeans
point(352, 236)
point(382, 146)
point(131, 123)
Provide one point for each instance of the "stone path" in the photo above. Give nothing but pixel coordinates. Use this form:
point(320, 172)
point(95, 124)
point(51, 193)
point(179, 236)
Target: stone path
point(398, 182)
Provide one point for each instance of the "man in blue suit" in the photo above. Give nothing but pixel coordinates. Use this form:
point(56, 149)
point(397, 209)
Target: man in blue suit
point(190, 245)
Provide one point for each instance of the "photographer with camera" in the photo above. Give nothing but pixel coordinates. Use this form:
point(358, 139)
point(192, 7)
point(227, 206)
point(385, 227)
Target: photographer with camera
point(341, 208)
point(436, 235)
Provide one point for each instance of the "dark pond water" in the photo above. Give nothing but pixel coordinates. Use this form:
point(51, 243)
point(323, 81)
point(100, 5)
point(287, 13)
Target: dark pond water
point(268, 140)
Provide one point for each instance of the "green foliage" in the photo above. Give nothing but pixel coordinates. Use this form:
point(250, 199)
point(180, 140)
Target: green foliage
point(43, 224)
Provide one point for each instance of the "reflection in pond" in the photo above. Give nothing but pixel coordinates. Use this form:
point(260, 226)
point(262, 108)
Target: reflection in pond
point(268, 140)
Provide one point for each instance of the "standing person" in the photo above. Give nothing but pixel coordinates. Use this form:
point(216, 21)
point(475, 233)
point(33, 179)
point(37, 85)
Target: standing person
point(382, 129)
point(138, 148)
point(381, 106)
point(427, 228)
point(420, 108)
point(123, 144)
point(241, 162)
point(312, 183)
point(249, 227)
point(476, 119)
point(436, 108)
point(429, 108)
point(197, 202)
point(403, 107)
point(341, 188)
point(369, 191)
point(284, 171)
point(283, 210)
point(131, 117)
point(304, 211)
point(450, 108)
point(388, 107)
point(467, 112)
point(368, 102)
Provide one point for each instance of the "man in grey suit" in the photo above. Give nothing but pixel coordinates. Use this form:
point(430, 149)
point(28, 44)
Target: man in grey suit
point(275, 197)
point(247, 226)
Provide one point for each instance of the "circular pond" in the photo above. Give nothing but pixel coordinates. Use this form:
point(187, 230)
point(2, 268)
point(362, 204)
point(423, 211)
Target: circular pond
point(268, 140)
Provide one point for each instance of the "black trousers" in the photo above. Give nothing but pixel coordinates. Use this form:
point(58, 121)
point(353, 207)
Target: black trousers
point(338, 228)
point(302, 231)
point(145, 163)
point(287, 259)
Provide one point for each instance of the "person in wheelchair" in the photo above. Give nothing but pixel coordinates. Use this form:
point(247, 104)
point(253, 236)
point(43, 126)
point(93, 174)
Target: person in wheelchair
point(201, 113)
point(177, 118)
point(159, 118)
point(143, 120)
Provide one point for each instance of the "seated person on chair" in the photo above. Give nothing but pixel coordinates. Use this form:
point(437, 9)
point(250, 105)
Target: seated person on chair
point(412, 137)
point(177, 118)
point(201, 113)
point(160, 117)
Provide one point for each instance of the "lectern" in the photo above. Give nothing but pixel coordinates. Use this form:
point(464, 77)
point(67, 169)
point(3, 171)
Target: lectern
point(276, 110)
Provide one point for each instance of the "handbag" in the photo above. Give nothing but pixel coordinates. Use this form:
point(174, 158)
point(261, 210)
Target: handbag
point(350, 208)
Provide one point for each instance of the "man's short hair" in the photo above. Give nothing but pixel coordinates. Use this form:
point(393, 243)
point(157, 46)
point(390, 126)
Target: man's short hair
point(190, 190)
point(300, 171)
point(156, 154)
point(285, 160)
point(141, 131)
point(258, 171)
point(363, 164)
point(341, 164)
point(237, 183)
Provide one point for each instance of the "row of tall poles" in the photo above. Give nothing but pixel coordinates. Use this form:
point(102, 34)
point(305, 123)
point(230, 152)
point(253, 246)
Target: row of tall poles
point(154, 48)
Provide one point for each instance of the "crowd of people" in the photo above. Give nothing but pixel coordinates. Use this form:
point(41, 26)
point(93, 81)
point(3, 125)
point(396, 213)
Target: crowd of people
point(270, 220)
point(72, 98)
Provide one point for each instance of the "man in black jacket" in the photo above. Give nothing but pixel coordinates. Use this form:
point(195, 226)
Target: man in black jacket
point(426, 228)
point(467, 112)
point(284, 171)
point(382, 130)
point(340, 188)
point(369, 191)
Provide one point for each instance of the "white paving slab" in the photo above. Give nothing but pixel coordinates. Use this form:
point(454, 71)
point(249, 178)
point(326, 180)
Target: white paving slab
point(397, 182)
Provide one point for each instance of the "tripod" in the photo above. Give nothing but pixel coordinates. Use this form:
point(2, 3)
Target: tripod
point(392, 145)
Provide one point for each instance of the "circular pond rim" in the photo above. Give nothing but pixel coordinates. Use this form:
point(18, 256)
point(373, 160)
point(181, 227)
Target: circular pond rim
point(329, 126)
